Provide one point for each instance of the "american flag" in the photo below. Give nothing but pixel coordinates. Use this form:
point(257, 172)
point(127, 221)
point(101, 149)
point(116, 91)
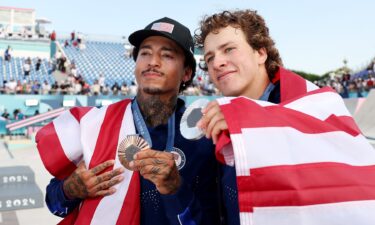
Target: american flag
point(301, 162)
point(93, 135)
point(162, 26)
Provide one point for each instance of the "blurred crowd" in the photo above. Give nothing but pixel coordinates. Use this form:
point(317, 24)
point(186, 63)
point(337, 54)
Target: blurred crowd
point(347, 86)
point(74, 84)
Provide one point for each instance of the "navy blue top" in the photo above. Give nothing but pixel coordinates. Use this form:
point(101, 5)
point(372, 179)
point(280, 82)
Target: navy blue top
point(228, 173)
point(194, 203)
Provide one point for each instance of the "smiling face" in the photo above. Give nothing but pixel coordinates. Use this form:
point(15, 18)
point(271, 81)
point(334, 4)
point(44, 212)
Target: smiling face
point(160, 67)
point(234, 66)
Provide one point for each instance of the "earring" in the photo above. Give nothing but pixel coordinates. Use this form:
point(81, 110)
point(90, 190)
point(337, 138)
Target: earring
point(183, 84)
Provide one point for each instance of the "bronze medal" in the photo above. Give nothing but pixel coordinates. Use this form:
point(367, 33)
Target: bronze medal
point(129, 147)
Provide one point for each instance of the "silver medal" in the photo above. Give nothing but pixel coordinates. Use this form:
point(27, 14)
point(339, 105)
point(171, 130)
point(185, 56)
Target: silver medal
point(190, 118)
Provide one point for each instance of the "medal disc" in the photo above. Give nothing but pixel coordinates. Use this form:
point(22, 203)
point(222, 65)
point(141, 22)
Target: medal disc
point(190, 118)
point(179, 157)
point(129, 147)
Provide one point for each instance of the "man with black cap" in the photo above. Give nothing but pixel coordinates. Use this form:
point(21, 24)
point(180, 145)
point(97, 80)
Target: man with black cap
point(177, 176)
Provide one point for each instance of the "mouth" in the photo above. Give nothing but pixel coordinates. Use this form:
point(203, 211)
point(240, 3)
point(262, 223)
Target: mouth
point(152, 74)
point(224, 75)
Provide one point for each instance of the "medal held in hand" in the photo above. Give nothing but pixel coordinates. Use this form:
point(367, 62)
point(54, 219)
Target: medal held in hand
point(129, 147)
point(189, 120)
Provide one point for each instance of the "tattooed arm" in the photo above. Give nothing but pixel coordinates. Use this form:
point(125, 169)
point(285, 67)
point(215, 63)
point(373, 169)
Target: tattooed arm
point(63, 196)
point(159, 168)
point(84, 183)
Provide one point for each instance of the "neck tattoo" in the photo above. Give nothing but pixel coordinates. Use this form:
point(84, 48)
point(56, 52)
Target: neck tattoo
point(156, 111)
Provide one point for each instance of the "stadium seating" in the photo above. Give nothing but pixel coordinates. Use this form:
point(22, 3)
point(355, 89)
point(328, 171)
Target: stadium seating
point(102, 58)
point(107, 58)
point(14, 70)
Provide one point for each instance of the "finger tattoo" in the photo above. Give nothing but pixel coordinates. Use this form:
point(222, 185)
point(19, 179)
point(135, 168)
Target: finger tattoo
point(155, 170)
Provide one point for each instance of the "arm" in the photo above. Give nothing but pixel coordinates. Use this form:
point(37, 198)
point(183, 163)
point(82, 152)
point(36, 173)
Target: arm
point(63, 196)
point(57, 202)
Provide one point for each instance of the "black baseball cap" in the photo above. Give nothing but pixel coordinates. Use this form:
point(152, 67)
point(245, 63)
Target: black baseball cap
point(171, 29)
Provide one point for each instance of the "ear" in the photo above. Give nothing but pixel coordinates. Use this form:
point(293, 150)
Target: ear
point(262, 55)
point(187, 74)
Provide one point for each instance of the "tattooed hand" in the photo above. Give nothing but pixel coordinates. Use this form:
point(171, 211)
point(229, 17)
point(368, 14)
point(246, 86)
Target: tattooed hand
point(159, 168)
point(84, 183)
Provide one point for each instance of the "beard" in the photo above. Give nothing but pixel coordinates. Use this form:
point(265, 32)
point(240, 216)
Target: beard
point(153, 91)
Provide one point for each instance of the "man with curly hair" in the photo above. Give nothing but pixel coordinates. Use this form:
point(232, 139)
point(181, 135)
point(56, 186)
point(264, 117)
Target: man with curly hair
point(288, 146)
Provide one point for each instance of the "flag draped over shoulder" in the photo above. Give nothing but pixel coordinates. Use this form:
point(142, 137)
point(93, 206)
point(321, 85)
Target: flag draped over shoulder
point(301, 162)
point(93, 135)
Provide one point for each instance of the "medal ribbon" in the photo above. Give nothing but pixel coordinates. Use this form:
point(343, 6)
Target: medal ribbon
point(142, 128)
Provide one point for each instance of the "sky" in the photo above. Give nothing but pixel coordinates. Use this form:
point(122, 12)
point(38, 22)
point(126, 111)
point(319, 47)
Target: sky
point(314, 36)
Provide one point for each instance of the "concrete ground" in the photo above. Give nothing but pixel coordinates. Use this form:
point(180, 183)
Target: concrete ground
point(27, 157)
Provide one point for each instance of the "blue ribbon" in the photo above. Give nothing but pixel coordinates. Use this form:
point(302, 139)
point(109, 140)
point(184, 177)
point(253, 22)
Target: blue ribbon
point(142, 128)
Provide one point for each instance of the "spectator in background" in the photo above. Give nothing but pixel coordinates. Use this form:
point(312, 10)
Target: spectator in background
point(115, 88)
point(72, 36)
point(8, 54)
point(26, 68)
point(15, 114)
point(19, 87)
point(38, 64)
point(73, 70)
point(101, 82)
point(5, 114)
point(133, 89)
point(370, 83)
point(2, 87)
point(62, 62)
point(20, 115)
point(79, 38)
point(10, 87)
point(124, 89)
point(35, 88)
point(53, 36)
point(95, 88)
point(55, 88)
point(46, 88)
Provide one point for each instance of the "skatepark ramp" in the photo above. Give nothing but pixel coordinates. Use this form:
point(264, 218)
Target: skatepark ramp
point(35, 119)
point(365, 117)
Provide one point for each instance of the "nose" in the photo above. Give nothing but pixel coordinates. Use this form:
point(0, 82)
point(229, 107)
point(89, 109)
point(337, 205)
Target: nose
point(154, 60)
point(219, 61)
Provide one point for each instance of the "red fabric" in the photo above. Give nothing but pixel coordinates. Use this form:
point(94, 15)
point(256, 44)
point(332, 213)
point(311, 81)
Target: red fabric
point(53, 160)
point(130, 212)
point(107, 140)
point(283, 186)
point(263, 117)
point(298, 183)
point(105, 149)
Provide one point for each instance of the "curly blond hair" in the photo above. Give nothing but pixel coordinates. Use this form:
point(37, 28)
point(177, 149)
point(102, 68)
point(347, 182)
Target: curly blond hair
point(254, 28)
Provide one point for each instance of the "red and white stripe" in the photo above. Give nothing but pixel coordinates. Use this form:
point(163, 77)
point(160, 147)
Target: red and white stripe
point(35, 119)
point(93, 135)
point(303, 161)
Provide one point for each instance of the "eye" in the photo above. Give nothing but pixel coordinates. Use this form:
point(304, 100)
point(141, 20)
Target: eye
point(229, 49)
point(209, 59)
point(203, 65)
point(168, 56)
point(144, 53)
